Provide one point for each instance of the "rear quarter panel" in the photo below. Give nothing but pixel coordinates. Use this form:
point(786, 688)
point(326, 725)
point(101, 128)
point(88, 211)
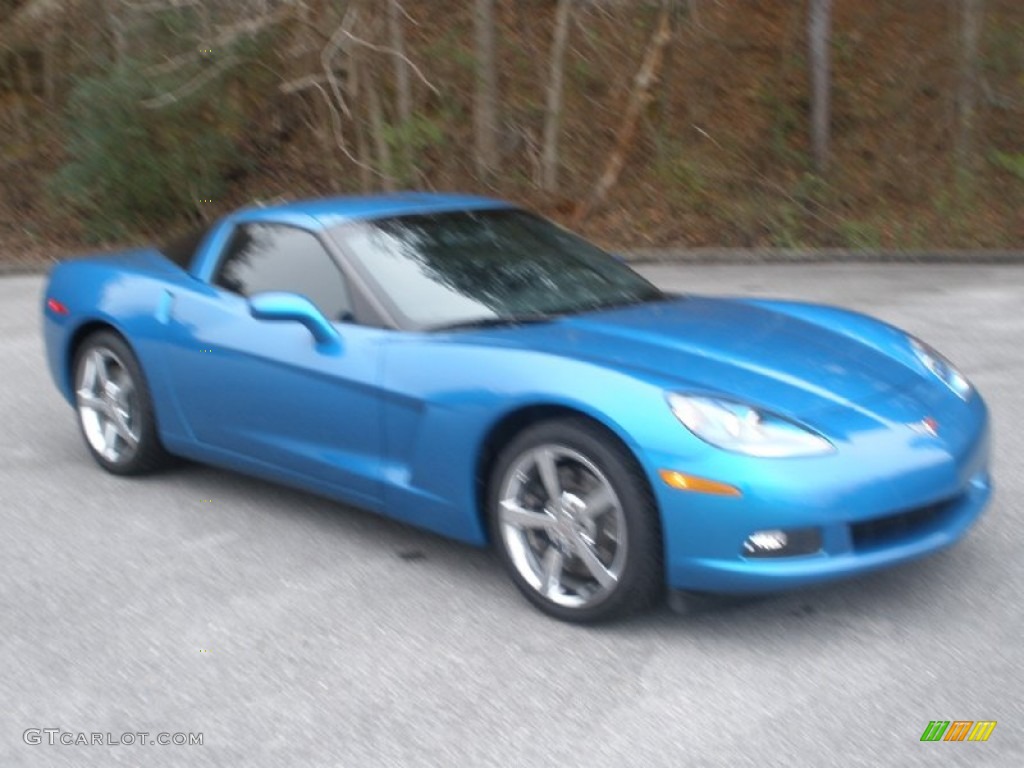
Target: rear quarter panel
point(123, 292)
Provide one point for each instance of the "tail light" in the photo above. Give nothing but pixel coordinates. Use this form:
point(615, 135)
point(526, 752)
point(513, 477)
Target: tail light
point(57, 307)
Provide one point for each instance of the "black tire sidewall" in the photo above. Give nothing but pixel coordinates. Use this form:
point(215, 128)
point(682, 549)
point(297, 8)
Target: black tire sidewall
point(149, 453)
point(642, 577)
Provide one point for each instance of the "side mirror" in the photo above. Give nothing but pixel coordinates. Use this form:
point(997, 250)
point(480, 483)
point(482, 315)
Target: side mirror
point(278, 305)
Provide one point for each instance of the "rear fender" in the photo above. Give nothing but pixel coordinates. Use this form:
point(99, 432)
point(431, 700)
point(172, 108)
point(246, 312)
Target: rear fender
point(123, 294)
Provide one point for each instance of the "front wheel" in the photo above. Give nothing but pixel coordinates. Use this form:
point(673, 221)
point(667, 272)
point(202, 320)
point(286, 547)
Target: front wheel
point(575, 522)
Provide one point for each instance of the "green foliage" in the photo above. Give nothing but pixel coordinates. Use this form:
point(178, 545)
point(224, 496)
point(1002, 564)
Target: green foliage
point(451, 52)
point(956, 204)
point(1003, 51)
point(1011, 162)
point(792, 215)
point(786, 124)
point(680, 179)
point(131, 167)
point(784, 226)
point(812, 191)
point(171, 24)
point(844, 47)
point(408, 140)
point(584, 75)
point(148, 144)
point(860, 235)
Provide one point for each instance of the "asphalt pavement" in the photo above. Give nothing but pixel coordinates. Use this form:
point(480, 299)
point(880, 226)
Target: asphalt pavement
point(291, 631)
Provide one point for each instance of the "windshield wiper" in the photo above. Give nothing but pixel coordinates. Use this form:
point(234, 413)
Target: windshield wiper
point(497, 321)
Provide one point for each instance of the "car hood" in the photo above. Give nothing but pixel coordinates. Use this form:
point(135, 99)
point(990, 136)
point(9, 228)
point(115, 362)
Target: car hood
point(730, 347)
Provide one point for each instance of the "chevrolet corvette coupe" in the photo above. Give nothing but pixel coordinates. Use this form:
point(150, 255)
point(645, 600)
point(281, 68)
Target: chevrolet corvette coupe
point(466, 366)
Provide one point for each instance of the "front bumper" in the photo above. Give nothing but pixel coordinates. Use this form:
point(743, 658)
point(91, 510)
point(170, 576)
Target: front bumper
point(875, 504)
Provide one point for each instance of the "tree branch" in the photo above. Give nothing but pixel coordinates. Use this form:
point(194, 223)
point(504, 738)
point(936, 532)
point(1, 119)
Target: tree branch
point(641, 95)
point(193, 85)
point(393, 52)
point(224, 39)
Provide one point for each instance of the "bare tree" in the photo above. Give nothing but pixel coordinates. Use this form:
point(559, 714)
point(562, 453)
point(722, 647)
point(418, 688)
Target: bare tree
point(385, 162)
point(116, 25)
point(638, 100)
point(403, 85)
point(353, 90)
point(819, 35)
point(966, 99)
point(555, 101)
point(485, 111)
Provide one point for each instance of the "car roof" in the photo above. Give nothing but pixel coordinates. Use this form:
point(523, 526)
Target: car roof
point(331, 211)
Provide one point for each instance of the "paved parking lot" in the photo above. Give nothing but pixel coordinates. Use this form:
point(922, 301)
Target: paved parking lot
point(291, 631)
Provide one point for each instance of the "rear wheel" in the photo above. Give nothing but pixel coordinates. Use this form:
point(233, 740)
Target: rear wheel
point(575, 523)
point(115, 411)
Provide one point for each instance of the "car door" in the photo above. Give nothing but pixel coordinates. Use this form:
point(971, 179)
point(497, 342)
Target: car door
point(265, 389)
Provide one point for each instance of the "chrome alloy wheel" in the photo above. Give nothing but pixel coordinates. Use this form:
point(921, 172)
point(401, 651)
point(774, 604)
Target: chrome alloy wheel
point(108, 405)
point(563, 526)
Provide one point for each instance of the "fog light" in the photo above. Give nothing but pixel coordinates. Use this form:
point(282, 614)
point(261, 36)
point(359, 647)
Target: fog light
point(779, 543)
point(765, 541)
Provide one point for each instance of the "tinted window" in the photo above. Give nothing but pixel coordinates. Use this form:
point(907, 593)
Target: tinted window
point(464, 266)
point(273, 257)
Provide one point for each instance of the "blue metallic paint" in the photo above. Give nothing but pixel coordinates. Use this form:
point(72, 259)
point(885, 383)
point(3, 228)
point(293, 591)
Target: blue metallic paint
point(395, 421)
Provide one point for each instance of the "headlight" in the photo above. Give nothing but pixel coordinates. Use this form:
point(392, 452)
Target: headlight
point(743, 429)
point(938, 364)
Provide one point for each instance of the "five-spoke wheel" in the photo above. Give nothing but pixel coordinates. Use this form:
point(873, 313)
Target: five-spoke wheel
point(574, 521)
point(114, 408)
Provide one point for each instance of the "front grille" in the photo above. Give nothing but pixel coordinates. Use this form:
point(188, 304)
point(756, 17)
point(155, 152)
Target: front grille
point(892, 529)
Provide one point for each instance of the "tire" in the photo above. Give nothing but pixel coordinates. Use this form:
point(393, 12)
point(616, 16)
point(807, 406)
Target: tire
point(574, 521)
point(114, 407)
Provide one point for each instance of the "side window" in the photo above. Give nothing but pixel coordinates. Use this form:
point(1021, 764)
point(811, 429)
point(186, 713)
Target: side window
point(276, 257)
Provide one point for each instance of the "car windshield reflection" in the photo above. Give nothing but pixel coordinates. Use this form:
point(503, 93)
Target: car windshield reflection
point(487, 267)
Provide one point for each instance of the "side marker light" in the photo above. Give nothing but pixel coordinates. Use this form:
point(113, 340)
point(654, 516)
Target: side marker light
point(683, 482)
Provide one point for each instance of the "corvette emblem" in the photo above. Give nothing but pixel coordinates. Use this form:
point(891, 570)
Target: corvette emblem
point(926, 426)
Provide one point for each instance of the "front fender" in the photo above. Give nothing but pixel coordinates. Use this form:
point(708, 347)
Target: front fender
point(442, 402)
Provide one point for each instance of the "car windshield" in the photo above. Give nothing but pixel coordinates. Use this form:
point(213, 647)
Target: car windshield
point(487, 267)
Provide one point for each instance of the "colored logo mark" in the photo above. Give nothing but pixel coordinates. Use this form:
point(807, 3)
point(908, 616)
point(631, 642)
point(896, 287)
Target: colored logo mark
point(958, 730)
point(926, 426)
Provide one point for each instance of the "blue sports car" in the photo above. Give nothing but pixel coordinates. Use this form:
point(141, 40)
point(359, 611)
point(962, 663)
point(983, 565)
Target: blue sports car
point(466, 366)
